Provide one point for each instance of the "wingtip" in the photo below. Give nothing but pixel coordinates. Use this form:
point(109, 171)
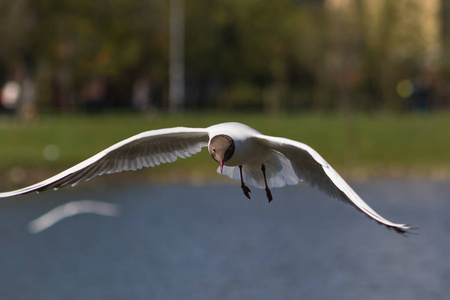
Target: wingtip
point(403, 229)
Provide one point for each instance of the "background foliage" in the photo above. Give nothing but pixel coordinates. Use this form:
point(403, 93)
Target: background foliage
point(252, 54)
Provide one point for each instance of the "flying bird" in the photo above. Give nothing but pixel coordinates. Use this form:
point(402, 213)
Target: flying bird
point(242, 153)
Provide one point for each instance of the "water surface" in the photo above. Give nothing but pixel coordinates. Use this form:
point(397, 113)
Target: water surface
point(210, 242)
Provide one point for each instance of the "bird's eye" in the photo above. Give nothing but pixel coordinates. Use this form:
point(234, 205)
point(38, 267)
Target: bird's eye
point(213, 149)
point(229, 153)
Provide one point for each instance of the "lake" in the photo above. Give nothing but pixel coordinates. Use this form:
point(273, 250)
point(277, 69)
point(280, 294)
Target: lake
point(210, 242)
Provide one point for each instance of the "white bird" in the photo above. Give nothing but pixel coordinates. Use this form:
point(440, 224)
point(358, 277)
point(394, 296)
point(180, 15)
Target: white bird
point(242, 153)
point(71, 209)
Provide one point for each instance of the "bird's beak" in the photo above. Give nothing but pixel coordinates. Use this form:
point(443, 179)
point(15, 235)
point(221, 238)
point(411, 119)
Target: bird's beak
point(221, 166)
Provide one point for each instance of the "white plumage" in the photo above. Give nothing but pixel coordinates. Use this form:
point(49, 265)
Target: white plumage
point(282, 161)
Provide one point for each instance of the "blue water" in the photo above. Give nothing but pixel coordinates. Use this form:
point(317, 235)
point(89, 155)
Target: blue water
point(210, 242)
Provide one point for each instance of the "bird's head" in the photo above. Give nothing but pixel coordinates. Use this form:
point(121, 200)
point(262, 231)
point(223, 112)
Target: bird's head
point(221, 148)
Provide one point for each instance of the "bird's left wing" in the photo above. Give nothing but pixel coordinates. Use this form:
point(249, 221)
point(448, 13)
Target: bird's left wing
point(146, 149)
point(311, 168)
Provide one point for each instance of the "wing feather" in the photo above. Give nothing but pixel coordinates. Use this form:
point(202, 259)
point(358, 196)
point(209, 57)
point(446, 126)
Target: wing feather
point(146, 149)
point(311, 168)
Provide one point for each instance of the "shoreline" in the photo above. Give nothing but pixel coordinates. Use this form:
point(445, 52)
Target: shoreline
point(16, 178)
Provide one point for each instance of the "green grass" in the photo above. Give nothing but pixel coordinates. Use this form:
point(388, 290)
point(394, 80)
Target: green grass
point(356, 145)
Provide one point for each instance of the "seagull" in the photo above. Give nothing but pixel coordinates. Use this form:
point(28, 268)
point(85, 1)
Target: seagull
point(242, 153)
point(71, 209)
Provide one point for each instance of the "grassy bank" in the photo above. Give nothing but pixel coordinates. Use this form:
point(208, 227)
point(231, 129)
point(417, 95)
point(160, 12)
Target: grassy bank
point(356, 145)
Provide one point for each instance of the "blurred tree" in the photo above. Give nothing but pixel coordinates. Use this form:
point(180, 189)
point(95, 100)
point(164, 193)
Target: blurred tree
point(259, 53)
point(445, 29)
point(271, 55)
point(85, 40)
point(176, 56)
point(375, 44)
point(16, 54)
point(74, 42)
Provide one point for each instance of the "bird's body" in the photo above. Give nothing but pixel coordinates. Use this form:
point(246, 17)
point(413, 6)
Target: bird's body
point(241, 151)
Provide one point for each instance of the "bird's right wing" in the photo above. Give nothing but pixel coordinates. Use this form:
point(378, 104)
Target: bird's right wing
point(146, 149)
point(311, 168)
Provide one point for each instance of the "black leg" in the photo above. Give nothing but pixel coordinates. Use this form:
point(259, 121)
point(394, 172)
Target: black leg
point(244, 187)
point(268, 193)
